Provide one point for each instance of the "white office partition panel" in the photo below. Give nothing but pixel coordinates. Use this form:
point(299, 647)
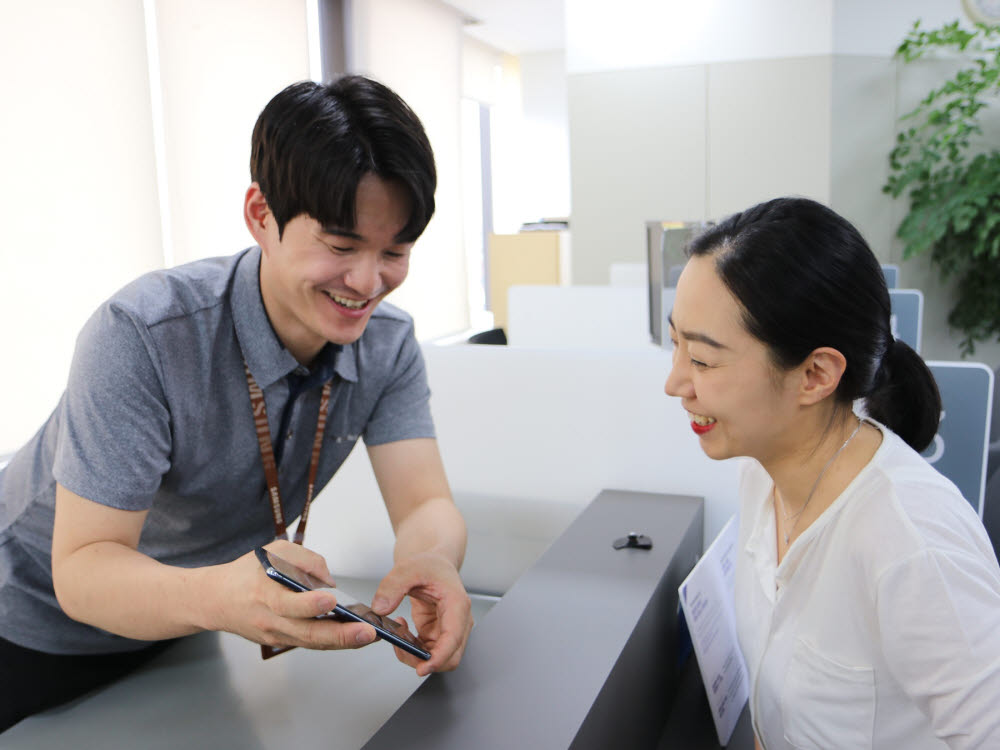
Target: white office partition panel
point(528, 437)
point(578, 316)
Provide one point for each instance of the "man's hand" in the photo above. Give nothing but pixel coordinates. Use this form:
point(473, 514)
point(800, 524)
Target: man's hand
point(442, 612)
point(252, 605)
point(100, 578)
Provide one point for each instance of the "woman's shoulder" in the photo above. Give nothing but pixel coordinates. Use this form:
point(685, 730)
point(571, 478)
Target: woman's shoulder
point(901, 506)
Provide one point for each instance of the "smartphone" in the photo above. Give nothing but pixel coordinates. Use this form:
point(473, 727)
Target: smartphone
point(348, 607)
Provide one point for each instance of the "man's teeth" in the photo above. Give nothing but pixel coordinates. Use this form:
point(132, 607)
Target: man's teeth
point(698, 419)
point(354, 304)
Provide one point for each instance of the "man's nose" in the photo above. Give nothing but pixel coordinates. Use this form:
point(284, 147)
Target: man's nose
point(364, 274)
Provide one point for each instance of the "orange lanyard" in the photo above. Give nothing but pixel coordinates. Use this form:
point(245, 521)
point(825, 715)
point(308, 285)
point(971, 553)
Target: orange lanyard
point(271, 466)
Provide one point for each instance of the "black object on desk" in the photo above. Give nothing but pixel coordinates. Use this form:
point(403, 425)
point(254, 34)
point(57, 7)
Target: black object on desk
point(633, 540)
point(582, 650)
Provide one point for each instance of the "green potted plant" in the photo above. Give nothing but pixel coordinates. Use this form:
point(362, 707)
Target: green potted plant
point(951, 176)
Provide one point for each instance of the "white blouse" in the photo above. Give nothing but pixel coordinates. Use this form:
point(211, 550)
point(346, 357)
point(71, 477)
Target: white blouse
point(881, 627)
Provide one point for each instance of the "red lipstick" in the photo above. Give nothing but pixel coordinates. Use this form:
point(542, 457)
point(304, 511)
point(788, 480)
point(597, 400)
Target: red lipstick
point(701, 429)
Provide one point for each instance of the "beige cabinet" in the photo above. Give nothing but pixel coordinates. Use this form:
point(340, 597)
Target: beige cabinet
point(538, 257)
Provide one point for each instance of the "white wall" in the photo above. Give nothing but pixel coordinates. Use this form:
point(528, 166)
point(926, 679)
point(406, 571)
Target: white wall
point(529, 130)
point(220, 63)
point(876, 27)
point(80, 142)
point(690, 111)
point(544, 179)
point(78, 187)
point(640, 34)
point(507, 141)
point(415, 47)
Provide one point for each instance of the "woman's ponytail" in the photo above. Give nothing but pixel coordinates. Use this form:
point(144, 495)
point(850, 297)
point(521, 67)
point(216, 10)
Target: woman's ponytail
point(905, 396)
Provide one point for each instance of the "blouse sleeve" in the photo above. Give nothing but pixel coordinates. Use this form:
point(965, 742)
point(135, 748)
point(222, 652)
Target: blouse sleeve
point(939, 618)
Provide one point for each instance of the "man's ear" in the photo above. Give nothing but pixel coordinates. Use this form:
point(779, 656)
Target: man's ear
point(257, 215)
point(821, 374)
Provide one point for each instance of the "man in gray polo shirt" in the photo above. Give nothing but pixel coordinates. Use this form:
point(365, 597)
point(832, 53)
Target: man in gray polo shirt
point(131, 517)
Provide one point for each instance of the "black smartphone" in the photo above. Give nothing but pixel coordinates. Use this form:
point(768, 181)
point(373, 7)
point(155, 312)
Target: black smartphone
point(348, 607)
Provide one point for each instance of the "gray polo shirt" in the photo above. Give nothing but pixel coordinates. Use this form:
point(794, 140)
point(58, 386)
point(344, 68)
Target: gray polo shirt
point(156, 416)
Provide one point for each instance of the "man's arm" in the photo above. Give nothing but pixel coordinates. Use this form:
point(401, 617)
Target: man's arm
point(100, 578)
point(430, 546)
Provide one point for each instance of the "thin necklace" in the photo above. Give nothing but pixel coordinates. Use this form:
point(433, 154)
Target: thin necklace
point(797, 514)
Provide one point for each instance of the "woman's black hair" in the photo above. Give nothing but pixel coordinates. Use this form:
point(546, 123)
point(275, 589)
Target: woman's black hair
point(806, 278)
point(314, 142)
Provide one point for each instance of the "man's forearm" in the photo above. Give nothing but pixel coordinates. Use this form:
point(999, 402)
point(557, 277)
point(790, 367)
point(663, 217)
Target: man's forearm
point(114, 587)
point(434, 526)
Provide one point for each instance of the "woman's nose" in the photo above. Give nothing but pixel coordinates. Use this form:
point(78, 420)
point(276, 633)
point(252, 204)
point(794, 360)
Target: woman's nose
point(678, 384)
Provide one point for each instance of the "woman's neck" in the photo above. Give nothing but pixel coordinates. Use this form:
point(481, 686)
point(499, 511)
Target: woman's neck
point(810, 477)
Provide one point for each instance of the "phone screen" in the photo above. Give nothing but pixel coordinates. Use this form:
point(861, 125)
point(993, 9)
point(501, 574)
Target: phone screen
point(348, 607)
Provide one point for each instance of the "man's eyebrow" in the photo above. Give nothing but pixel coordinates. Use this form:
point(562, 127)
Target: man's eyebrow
point(341, 232)
point(704, 338)
point(352, 235)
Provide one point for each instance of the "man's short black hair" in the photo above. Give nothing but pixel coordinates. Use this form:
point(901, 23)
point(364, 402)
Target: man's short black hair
point(314, 142)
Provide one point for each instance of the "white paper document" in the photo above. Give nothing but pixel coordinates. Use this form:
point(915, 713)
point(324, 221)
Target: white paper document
point(707, 600)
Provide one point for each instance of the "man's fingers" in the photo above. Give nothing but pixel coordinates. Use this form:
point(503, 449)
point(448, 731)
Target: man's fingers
point(302, 605)
point(390, 593)
point(302, 558)
point(329, 634)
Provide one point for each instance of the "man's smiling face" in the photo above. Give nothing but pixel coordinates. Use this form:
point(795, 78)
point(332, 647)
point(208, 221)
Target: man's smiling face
point(321, 284)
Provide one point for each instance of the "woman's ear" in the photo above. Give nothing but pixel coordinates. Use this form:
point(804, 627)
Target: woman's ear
point(821, 374)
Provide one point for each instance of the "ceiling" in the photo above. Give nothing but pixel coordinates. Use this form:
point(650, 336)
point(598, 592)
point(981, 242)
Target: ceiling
point(515, 26)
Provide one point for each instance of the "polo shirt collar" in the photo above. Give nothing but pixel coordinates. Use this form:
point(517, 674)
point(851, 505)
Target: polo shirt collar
point(268, 359)
point(265, 355)
point(334, 359)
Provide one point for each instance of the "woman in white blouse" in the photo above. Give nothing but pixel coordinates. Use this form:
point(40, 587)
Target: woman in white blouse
point(867, 591)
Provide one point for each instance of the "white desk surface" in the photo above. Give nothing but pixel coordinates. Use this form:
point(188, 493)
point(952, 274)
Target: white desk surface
point(214, 691)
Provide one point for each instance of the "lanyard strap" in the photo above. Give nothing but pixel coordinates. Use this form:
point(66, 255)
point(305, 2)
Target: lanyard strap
point(271, 466)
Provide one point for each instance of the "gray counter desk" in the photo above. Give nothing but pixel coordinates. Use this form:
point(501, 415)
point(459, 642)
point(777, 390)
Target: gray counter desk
point(582, 644)
point(581, 652)
point(213, 690)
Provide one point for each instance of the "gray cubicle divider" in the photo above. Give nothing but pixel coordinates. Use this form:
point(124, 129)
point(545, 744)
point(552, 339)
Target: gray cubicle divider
point(665, 243)
point(907, 316)
point(583, 650)
point(667, 305)
point(959, 450)
point(674, 273)
point(891, 273)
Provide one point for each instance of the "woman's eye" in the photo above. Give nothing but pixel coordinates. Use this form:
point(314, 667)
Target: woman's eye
point(699, 364)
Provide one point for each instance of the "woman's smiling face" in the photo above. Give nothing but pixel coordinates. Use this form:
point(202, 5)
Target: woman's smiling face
point(739, 403)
